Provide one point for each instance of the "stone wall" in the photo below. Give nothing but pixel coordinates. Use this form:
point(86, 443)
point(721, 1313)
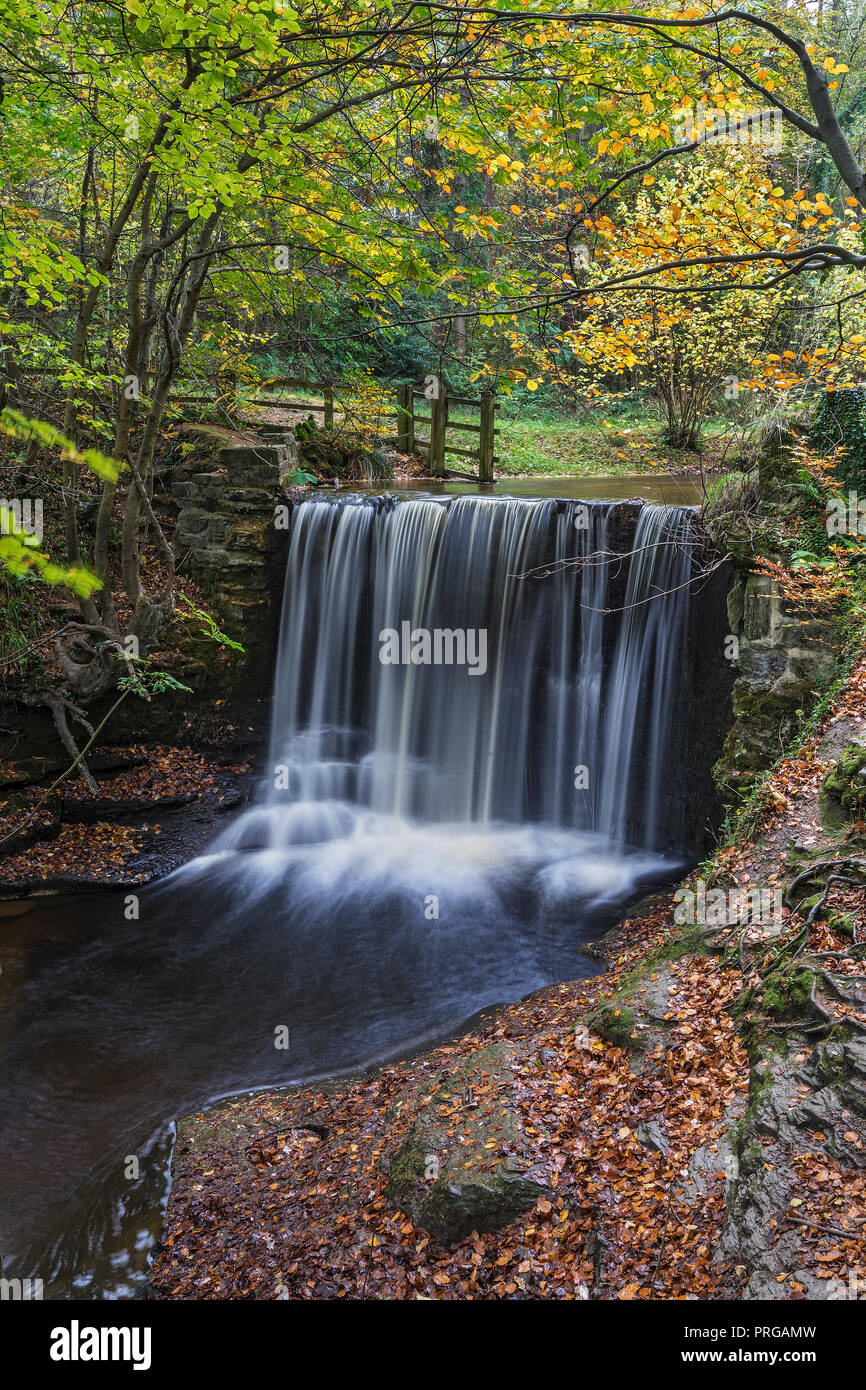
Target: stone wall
point(227, 540)
point(783, 657)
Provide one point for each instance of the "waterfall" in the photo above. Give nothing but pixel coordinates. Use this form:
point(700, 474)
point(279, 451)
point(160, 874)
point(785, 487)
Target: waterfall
point(478, 758)
point(477, 713)
point(566, 684)
point(641, 699)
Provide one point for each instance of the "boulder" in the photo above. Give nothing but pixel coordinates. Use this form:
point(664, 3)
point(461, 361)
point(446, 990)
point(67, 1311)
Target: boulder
point(843, 791)
point(462, 1165)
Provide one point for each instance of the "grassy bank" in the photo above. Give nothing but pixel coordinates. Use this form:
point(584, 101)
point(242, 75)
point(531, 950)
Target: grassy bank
point(547, 443)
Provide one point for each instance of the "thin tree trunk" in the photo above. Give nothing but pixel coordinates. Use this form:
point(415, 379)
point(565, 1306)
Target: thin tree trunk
point(196, 276)
point(127, 401)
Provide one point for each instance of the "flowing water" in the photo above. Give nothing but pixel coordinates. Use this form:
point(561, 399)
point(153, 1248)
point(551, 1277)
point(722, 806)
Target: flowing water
point(431, 837)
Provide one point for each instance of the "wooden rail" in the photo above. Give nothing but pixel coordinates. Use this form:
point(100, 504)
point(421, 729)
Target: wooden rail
point(406, 438)
point(440, 422)
point(325, 408)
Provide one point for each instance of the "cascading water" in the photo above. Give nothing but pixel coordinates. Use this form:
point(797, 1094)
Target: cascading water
point(642, 693)
point(432, 836)
point(557, 682)
point(473, 715)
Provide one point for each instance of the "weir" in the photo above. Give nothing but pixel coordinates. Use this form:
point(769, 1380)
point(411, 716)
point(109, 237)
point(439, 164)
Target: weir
point(575, 717)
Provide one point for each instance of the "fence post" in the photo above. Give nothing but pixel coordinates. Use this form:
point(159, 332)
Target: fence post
point(485, 447)
point(226, 396)
point(406, 418)
point(329, 408)
point(439, 420)
point(432, 448)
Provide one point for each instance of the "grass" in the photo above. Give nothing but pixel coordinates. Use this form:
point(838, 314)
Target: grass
point(601, 444)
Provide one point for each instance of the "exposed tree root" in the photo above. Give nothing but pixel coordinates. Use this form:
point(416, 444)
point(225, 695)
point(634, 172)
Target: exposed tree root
point(94, 734)
point(60, 707)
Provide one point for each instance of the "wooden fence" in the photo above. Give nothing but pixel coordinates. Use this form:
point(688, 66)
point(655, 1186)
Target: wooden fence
point(225, 398)
point(440, 420)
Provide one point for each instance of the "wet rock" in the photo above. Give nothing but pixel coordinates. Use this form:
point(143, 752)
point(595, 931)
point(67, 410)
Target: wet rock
point(226, 524)
point(88, 811)
point(843, 791)
point(711, 1159)
point(640, 1018)
point(840, 733)
point(651, 1136)
point(783, 656)
point(29, 771)
point(784, 1124)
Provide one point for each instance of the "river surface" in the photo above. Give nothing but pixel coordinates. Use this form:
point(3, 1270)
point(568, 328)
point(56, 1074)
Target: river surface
point(665, 488)
point(111, 1028)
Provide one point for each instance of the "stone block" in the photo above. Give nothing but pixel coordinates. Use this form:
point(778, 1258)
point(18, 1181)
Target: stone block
point(762, 608)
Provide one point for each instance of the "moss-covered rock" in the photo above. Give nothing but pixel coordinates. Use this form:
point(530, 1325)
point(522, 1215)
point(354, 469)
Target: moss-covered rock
point(614, 1021)
point(778, 459)
point(338, 454)
point(786, 994)
point(638, 1017)
point(843, 791)
point(784, 658)
point(461, 1166)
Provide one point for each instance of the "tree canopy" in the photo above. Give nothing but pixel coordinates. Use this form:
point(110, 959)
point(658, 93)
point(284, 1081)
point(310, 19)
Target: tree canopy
point(191, 186)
